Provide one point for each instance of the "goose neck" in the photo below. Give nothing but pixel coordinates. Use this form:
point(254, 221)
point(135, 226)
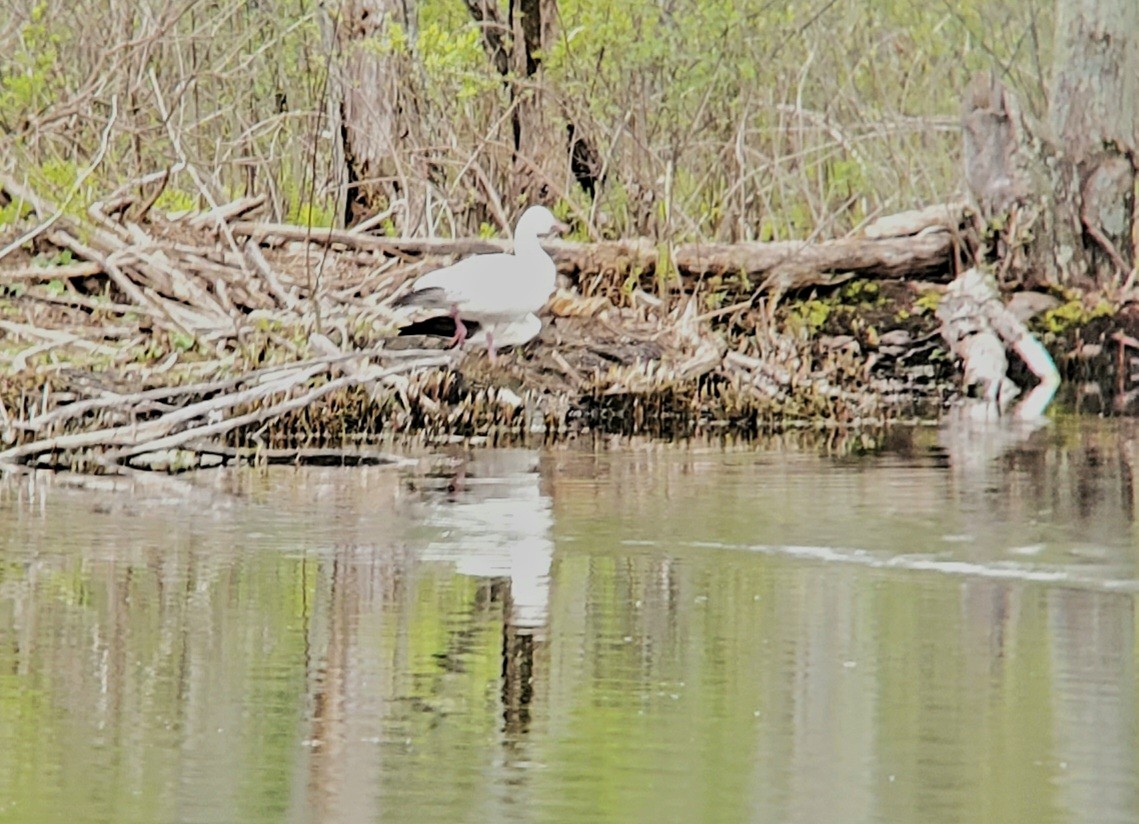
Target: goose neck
point(526, 243)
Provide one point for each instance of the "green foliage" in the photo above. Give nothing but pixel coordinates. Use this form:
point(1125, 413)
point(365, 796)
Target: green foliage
point(808, 316)
point(725, 89)
point(1073, 314)
point(60, 175)
point(564, 211)
point(394, 40)
point(26, 71)
point(181, 341)
point(14, 212)
point(927, 302)
point(305, 213)
point(846, 182)
point(454, 60)
point(714, 300)
point(61, 258)
point(175, 200)
point(861, 293)
point(665, 268)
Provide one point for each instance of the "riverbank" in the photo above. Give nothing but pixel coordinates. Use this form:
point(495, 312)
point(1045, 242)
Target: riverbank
point(199, 339)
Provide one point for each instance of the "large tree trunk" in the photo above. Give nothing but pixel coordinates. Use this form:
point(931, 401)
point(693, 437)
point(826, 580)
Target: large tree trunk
point(514, 42)
point(1095, 80)
point(541, 161)
point(1094, 112)
point(374, 114)
point(1059, 198)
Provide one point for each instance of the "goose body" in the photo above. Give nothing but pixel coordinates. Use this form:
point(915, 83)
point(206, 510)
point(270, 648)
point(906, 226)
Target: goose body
point(501, 292)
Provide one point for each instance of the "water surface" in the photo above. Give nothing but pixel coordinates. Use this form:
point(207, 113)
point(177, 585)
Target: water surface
point(923, 627)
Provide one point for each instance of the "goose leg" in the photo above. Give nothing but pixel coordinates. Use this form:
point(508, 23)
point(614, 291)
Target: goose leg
point(460, 328)
point(490, 346)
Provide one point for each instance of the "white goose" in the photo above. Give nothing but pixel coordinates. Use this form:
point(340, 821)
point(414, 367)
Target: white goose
point(498, 291)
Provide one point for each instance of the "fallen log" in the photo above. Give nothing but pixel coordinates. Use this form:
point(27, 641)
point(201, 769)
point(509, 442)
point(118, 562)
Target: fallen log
point(205, 290)
point(192, 456)
point(781, 264)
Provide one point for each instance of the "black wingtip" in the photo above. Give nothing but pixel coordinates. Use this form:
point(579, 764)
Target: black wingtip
point(440, 326)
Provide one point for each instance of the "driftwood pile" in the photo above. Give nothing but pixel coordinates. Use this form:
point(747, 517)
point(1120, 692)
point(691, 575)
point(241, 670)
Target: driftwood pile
point(197, 339)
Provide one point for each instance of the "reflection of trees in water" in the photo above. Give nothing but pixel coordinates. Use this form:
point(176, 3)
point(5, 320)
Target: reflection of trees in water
point(423, 654)
point(351, 677)
point(928, 684)
point(518, 673)
point(1094, 721)
point(373, 676)
point(1083, 479)
point(953, 681)
point(1077, 478)
point(181, 631)
point(488, 522)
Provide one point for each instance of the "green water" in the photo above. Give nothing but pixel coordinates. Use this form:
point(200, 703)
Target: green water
point(930, 627)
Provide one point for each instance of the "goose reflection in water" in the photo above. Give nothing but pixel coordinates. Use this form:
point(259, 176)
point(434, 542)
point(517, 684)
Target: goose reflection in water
point(496, 524)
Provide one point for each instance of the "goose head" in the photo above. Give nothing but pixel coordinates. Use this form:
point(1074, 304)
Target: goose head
point(538, 221)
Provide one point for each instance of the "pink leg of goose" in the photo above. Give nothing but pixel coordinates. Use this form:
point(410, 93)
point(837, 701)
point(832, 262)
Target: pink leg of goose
point(490, 346)
point(460, 328)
